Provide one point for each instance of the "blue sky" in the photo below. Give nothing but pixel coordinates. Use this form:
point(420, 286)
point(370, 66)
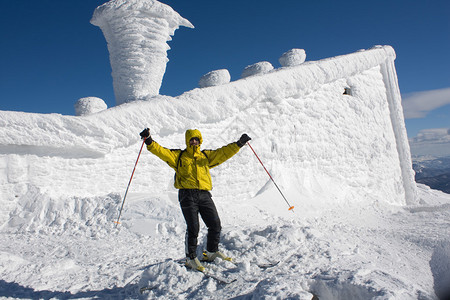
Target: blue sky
point(51, 55)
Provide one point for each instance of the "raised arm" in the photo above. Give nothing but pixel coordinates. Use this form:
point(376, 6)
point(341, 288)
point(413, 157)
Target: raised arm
point(218, 156)
point(168, 155)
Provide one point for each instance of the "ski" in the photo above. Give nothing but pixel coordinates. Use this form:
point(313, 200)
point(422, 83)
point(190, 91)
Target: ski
point(146, 288)
point(207, 273)
point(266, 265)
point(218, 278)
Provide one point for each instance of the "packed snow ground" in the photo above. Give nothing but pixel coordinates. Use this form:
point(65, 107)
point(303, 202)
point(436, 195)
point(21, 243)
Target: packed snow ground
point(71, 249)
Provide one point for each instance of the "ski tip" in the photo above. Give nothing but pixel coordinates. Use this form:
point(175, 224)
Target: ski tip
point(146, 288)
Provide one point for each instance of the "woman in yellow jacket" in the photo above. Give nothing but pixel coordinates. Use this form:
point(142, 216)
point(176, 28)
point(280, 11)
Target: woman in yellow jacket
point(193, 180)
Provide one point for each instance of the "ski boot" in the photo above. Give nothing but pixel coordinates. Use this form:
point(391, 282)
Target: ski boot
point(211, 256)
point(194, 263)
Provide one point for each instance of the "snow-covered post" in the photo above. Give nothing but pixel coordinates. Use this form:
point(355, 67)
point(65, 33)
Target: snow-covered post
point(398, 123)
point(137, 32)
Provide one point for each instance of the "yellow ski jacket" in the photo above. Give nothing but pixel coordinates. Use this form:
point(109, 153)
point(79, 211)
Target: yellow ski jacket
point(192, 165)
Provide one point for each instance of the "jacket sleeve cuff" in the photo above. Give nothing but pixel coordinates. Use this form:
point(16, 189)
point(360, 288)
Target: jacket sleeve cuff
point(148, 141)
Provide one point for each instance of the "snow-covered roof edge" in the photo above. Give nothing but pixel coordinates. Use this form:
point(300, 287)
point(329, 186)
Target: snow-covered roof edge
point(305, 77)
point(230, 98)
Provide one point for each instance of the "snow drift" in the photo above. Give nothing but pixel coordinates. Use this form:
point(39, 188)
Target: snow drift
point(440, 266)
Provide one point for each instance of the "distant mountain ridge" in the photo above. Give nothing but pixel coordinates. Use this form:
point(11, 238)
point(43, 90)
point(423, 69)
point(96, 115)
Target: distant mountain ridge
point(434, 172)
point(431, 158)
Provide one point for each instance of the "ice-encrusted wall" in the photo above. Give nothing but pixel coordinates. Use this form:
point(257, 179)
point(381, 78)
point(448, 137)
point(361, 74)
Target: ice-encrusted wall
point(313, 138)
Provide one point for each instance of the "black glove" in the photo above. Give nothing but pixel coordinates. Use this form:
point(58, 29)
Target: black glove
point(243, 140)
point(145, 134)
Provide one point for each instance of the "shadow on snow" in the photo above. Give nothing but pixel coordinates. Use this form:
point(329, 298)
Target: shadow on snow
point(14, 290)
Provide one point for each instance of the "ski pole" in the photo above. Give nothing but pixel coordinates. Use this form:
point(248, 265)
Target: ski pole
point(290, 207)
point(126, 192)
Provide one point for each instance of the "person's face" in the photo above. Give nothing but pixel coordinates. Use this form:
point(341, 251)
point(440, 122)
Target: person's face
point(194, 141)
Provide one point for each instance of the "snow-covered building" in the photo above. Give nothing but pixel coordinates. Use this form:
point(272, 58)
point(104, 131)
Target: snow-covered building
point(329, 131)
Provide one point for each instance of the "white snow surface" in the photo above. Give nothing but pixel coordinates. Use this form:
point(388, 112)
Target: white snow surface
point(89, 105)
point(440, 267)
point(341, 160)
point(68, 248)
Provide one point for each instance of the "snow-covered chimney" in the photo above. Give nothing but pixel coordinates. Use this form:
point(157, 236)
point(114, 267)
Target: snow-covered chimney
point(137, 32)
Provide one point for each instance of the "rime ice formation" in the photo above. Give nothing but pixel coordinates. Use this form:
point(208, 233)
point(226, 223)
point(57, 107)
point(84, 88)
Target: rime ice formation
point(321, 145)
point(136, 32)
point(293, 57)
point(89, 105)
point(213, 78)
point(258, 68)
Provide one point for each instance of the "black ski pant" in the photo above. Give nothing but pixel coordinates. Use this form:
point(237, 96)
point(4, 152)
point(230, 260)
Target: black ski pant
point(192, 203)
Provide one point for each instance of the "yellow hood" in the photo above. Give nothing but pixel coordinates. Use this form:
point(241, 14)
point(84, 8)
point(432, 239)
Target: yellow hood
point(190, 133)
